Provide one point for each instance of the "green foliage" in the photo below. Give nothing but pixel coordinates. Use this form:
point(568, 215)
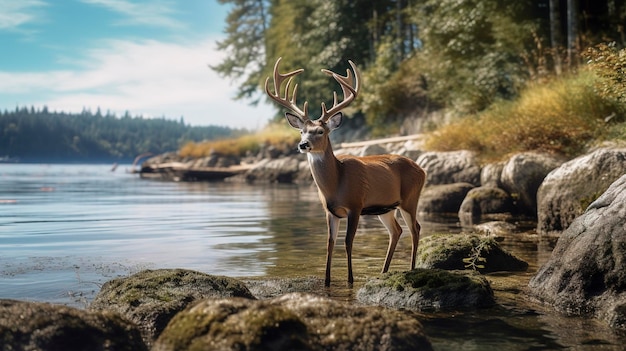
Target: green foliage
point(43, 136)
point(609, 64)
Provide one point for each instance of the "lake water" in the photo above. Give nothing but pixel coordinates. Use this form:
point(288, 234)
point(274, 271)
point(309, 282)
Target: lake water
point(67, 229)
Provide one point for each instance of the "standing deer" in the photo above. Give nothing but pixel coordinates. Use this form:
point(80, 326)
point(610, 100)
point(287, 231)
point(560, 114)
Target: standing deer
point(351, 186)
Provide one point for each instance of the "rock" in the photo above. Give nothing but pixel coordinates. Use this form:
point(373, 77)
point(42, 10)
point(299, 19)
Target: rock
point(522, 175)
point(274, 287)
point(464, 251)
point(280, 170)
point(151, 298)
point(484, 201)
point(490, 175)
point(373, 150)
point(43, 326)
point(450, 167)
point(495, 228)
point(585, 274)
point(291, 322)
point(445, 198)
point(569, 189)
point(428, 290)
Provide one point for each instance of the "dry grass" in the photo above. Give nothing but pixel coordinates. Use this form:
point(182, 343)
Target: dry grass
point(562, 117)
point(279, 136)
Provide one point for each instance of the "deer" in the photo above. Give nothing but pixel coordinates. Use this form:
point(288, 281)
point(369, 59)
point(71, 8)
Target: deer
point(351, 186)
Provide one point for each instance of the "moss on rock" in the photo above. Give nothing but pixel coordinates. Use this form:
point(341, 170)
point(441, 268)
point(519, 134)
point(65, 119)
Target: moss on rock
point(428, 289)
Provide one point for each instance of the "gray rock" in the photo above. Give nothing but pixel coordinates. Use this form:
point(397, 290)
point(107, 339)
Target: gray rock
point(484, 201)
point(280, 170)
point(445, 198)
point(151, 298)
point(522, 175)
point(490, 175)
point(291, 322)
point(495, 228)
point(373, 150)
point(273, 287)
point(464, 251)
point(450, 167)
point(428, 290)
point(585, 274)
point(34, 326)
point(569, 189)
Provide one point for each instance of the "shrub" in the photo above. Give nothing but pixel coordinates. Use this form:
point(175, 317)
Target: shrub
point(561, 116)
point(278, 135)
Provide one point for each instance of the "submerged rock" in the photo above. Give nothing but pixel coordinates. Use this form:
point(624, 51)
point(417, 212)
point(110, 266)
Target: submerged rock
point(43, 326)
point(151, 298)
point(290, 322)
point(427, 290)
point(463, 251)
point(482, 202)
point(585, 274)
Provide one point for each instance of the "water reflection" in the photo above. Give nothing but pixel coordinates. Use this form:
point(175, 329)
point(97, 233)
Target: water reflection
point(69, 229)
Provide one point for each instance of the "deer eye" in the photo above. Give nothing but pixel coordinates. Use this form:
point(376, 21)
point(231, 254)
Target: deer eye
point(320, 132)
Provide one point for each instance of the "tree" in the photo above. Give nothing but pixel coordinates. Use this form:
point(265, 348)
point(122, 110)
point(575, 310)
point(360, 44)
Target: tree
point(246, 25)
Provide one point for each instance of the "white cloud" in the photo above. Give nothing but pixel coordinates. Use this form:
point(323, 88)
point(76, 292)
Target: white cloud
point(151, 78)
point(17, 13)
point(146, 13)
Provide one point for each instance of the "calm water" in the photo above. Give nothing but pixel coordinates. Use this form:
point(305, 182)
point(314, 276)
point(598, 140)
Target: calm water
point(67, 229)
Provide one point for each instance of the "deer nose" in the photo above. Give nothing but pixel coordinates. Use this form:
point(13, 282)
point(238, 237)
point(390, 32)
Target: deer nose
point(304, 146)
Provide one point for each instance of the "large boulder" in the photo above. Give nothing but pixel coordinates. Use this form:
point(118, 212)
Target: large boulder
point(522, 175)
point(450, 167)
point(490, 175)
point(585, 274)
point(291, 322)
point(151, 298)
point(446, 198)
point(428, 290)
point(466, 251)
point(42, 326)
point(569, 189)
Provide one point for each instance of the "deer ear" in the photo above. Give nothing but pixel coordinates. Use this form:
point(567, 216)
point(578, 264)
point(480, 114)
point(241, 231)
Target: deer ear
point(294, 120)
point(334, 122)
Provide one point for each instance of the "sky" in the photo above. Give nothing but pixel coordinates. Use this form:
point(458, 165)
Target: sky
point(147, 57)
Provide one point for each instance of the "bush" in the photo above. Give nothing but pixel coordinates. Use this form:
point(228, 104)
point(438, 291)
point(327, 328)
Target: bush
point(562, 116)
point(278, 135)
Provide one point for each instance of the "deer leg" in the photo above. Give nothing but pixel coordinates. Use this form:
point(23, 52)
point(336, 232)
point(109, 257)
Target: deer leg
point(353, 222)
point(410, 218)
point(394, 229)
point(333, 227)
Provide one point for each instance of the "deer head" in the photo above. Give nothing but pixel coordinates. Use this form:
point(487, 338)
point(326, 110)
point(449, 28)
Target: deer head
point(314, 133)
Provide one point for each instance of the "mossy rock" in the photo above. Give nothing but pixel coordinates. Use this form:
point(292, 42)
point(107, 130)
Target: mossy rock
point(464, 251)
point(42, 326)
point(294, 321)
point(428, 290)
point(151, 298)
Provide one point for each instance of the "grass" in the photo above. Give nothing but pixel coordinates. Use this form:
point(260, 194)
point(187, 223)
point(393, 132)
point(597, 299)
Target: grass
point(277, 135)
point(562, 116)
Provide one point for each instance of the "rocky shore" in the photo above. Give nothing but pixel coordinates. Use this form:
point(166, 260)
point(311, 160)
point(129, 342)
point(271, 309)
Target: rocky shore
point(581, 202)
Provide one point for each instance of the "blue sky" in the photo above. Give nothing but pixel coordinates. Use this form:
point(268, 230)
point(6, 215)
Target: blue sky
point(148, 57)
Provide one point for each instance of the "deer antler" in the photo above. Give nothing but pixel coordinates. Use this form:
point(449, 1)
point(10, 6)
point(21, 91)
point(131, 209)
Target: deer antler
point(287, 102)
point(350, 86)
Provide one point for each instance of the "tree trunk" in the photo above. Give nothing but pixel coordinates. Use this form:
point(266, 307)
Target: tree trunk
point(572, 30)
point(555, 35)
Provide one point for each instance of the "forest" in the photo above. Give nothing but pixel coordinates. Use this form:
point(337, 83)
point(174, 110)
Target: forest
point(39, 135)
point(417, 56)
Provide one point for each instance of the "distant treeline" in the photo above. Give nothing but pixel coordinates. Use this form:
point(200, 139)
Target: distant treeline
point(38, 135)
